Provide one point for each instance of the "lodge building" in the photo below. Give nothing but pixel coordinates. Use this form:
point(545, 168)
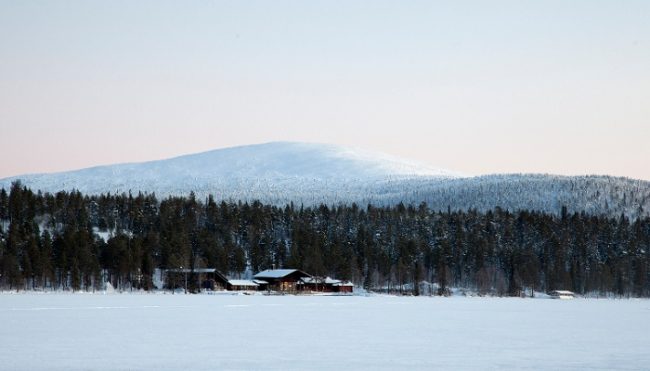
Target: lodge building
point(282, 280)
point(270, 280)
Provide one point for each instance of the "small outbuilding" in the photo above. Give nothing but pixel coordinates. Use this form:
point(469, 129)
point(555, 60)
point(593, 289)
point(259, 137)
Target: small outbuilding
point(327, 284)
point(344, 287)
point(562, 294)
point(242, 285)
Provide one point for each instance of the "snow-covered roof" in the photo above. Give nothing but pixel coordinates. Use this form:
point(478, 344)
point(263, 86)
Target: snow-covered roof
point(318, 280)
point(242, 283)
point(195, 270)
point(562, 292)
point(275, 273)
point(346, 284)
point(260, 282)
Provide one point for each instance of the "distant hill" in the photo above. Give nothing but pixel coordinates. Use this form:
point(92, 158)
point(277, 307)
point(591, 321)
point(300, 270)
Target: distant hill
point(309, 173)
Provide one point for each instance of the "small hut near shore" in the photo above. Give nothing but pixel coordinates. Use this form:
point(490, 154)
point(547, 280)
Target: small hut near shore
point(562, 294)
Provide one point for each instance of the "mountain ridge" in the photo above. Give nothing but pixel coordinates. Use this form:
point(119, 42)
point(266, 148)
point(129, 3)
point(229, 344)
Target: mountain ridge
point(314, 173)
point(283, 150)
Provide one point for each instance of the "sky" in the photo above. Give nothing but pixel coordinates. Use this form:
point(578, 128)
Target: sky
point(476, 87)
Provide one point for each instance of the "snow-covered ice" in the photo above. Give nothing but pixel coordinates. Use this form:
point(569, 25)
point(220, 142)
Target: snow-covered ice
point(214, 332)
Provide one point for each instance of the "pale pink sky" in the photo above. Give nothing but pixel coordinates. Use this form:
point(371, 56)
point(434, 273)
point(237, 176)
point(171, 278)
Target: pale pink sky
point(509, 86)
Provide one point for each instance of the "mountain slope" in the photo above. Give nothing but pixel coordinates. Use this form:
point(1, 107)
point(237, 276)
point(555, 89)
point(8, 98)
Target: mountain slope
point(307, 173)
point(594, 195)
point(269, 165)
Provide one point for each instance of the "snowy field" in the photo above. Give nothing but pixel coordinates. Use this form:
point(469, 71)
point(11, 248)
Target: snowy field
point(220, 332)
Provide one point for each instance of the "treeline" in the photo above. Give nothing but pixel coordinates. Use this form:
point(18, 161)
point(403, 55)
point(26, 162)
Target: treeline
point(71, 241)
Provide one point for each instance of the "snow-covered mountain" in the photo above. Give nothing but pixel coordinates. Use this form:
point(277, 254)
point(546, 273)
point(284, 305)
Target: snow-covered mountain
point(308, 173)
point(246, 171)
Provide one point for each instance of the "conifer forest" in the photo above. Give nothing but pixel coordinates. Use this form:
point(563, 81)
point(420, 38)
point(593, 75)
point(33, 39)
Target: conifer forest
point(71, 241)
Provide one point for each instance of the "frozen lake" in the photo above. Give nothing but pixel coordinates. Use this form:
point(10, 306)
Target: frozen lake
point(215, 332)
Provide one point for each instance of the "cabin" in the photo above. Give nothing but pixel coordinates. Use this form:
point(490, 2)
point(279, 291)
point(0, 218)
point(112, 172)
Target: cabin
point(195, 279)
point(344, 287)
point(283, 280)
point(327, 284)
point(242, 285)
point(562, 294)
point(317, 284)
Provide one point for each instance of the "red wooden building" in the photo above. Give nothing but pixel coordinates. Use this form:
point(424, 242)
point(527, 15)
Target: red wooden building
point(283, 280)
point(327, 284)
